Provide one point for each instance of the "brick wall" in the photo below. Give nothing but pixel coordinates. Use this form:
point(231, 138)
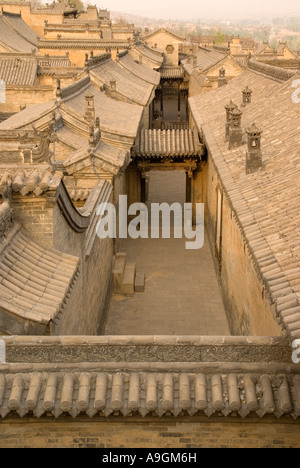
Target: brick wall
point(20, 96)
point(80, 34)
point(196, 86)
point(249, 309)
point(76, 56)
point(35, 215)
point(231, 69)
point(162, 40)
point(85, 309)
point(149, 433)
point(17, 8)
point(37, 21)
point(135, 54)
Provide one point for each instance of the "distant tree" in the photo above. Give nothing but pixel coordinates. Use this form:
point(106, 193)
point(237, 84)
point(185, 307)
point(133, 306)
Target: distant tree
point(78, 4)
point(261, 35)
point(293, 42)
point(273, 43)
point(220, 38)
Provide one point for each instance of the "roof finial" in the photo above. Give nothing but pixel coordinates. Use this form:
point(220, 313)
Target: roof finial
point(92, 136)
point(86, 63)
point(58, 90)
point(222, 79)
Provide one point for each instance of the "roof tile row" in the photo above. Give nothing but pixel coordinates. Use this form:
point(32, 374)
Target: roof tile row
point(147, 393)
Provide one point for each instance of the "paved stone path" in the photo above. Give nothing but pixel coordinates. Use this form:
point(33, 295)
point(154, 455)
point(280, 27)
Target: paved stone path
point(182, 295)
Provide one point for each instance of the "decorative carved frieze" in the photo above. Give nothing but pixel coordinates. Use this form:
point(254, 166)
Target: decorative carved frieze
point(147, 353)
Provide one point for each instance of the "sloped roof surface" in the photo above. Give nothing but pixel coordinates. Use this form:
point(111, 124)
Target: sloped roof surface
point(18, 71)
point(115, 116)
point(140, 70)
point(128, 85)
point(15, 34)
point(267, 201)
point(34, 279)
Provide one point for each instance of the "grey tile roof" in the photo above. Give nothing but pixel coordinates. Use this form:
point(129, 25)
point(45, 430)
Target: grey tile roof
point(54, 61)
point(28, 179)
point(266, 202)
point(107, 157)
point(205, 59)
point(163, 143)
point(18, 70)
point(111, 393)
point(15, 34)
point(153, 57)
point(18, 24)
point(261, 48)
point(115, 116)
point(150, 76)
point(171, 72)
point(34, 280)
point(164, 31)
point(28, 116)
point(128, 85)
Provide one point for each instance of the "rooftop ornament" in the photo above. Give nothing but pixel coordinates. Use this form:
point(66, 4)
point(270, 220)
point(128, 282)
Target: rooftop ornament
point(247, 95)
point(222, 78)
point(254, 154)
point(235, 128)
point(229, 108)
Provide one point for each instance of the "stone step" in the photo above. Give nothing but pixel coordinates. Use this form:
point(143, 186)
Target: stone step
point(118, 272)
point(129, 279)
point(139, 285)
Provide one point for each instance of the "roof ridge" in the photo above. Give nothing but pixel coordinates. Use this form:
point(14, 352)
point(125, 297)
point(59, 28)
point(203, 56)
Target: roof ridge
point(74, 88)
point(9, 13)
point(270, 71)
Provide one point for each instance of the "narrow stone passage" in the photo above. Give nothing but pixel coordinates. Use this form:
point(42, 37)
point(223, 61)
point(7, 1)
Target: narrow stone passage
point(182, 295)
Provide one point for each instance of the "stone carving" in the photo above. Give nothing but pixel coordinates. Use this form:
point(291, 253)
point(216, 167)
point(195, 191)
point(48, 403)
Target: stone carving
point(147, 353)
point(42, 153)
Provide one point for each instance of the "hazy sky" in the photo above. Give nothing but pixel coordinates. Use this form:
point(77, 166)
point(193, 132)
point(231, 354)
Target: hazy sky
point(189, 9)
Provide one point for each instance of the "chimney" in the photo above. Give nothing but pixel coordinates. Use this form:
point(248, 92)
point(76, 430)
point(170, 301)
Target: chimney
point(195, 61)
point(222, 79)
point(90, 108)
point(229, 108)
point(247, 94)
point(235, 128)
point(113, 86)
point(253, 155)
